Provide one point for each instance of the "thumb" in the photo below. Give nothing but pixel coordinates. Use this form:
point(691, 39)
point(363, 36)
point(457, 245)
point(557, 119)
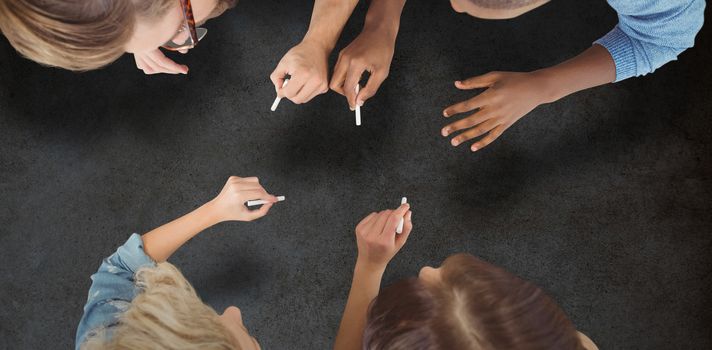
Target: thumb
point(478, 82)
point(256, 214)
point(278, 76)
point(374, 82)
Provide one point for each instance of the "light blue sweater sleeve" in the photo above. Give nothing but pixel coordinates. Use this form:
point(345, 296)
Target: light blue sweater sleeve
point(651, 33)
point(112, 288)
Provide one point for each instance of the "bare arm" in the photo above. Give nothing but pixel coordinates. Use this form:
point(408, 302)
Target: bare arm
point(364, 288)
point(371, 51)
point(377, 244)
point(328, 20)
point(162, 242)
point(511, 95)
point(590, 68)
point(306, 62)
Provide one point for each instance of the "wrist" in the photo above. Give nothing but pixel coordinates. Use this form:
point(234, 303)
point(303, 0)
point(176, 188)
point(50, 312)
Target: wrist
point(319, 42)
point(384, 17)
point(211, 212)
point(369, 268)
point(548, 86)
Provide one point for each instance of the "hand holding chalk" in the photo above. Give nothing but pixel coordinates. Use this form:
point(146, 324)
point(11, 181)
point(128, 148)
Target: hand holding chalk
point(276, 100)
point(307, 63)
point(377, 239)
point(230, 203)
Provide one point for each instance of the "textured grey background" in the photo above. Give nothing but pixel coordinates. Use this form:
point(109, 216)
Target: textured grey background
point(602, 198)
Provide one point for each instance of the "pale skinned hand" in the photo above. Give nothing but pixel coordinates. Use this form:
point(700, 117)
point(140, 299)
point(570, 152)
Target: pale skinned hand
point(508, 97)
point(376, 236)
point(230, 203)
point(155, 62)
point(371, 51)
point(306, 64)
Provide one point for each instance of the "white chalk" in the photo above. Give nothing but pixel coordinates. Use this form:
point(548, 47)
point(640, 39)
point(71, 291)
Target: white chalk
point(358, 108)
point(400, 224)
point(252, 203)
point(276, 100)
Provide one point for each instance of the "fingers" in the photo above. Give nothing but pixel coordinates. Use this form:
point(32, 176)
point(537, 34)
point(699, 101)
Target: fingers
point(493, 135)
point(254, 194)
point(365, 221)
point(167, 64)
point(478, 82)
point(256, 214)
point(474, 132)
point(478, 101)
point(142, 65)
point(466, 123)
point(374, 82)
point(339, 76)
point(312, 88)
point(352, 78)
point(394, 219)
point(297, 82)
point(407, 227)
point(278, 76)
point(380, 221)
point(246, 179)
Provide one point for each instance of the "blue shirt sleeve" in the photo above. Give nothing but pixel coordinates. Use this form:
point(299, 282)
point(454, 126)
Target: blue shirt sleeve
point(112, 288)
point(651, 33)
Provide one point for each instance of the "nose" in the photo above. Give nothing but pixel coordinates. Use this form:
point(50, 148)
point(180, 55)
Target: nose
point(425, 271)
point(234, 311)
point(455, 6)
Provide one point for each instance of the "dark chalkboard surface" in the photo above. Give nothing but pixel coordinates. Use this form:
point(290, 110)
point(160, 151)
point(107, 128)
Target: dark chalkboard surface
point(602, 198)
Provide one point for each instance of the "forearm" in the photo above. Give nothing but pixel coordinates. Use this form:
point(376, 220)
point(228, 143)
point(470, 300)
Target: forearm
point(591, 68)
point(364, 288)
point(162, 242)
point(384, 16)
point(327, 20)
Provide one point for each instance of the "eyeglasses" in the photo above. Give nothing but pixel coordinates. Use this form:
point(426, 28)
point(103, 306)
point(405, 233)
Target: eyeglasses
point(187, 36)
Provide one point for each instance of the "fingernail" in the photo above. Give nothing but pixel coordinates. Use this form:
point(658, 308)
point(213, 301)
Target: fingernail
point(352, 109)
point(454, 142)
point(457, 82)
point(360, 103)
point(473, 148)
point(445, 132)
point(445, 114)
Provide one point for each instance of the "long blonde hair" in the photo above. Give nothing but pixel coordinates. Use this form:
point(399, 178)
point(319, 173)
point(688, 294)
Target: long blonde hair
point(71, 34)
point(166, 314)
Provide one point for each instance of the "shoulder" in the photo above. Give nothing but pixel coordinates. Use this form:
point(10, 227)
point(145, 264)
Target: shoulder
point(653, 7)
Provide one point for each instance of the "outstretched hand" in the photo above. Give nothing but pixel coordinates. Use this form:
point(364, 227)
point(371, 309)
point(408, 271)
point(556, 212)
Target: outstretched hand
point(508, 97)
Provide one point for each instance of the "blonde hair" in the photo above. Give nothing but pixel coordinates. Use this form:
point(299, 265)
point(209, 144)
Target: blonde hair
point(166, 314)
point(75, 35)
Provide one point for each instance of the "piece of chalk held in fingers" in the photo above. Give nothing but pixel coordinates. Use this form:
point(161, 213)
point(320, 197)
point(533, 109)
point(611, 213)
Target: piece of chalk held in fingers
point(399, 229)
point(358, 108)
point(252, 203)
point(276, 100)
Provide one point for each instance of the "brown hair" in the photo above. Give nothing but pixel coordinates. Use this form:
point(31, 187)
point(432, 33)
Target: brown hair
point(70, 34)
point(475, 306)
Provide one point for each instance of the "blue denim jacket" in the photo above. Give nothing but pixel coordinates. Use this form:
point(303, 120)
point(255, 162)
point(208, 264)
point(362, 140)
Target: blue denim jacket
point(112, 288)
point(651, 33)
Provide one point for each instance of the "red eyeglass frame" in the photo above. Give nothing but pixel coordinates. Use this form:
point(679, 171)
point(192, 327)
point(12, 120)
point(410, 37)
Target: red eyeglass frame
point(190, 21)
